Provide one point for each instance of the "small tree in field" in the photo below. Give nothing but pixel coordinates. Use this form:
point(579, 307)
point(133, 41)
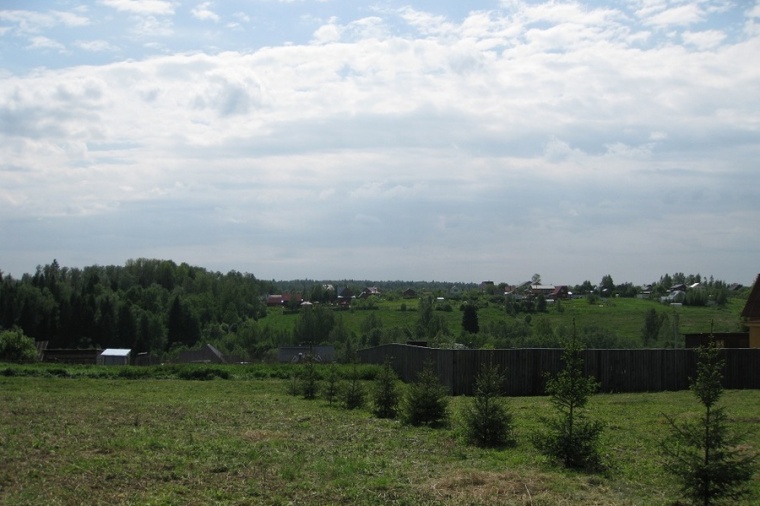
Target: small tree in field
point(470, 319)
point(353, 392)
point(704, 455)
point(426, 402)
point(309, 380)
point(385, 395)
point(330, 389)
point(571, 437)
point(488, 421)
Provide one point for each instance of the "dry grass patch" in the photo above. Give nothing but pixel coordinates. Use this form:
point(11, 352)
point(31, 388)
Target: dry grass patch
point(480, 487)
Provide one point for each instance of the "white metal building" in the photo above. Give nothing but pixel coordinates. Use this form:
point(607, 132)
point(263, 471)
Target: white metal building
point(114, 356)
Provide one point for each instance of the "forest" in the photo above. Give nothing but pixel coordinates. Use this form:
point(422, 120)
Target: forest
point(161, 307)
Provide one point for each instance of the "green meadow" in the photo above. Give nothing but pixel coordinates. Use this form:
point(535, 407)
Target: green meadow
point(85, 440)
point(622, 316)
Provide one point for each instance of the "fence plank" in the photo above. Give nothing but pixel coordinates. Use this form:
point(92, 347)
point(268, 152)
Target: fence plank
point(526, 369)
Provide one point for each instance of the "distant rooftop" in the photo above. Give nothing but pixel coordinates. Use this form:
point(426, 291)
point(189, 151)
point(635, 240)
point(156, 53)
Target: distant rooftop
point(115, 352)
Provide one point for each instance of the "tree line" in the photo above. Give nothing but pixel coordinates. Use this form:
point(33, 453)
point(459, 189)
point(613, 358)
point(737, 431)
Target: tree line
point(146, 305)
point(160, 307)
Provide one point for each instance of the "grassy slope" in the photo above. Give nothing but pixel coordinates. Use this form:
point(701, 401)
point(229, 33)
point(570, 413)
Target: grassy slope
point(85, 441)
point(623, 316)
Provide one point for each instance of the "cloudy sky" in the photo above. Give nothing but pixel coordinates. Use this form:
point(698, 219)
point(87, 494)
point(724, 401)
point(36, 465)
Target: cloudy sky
point(388, 139)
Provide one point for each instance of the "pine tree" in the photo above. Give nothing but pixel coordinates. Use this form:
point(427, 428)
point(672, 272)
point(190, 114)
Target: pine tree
point(705, 455)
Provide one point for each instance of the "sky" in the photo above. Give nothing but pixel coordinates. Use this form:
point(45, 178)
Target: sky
point(385, 140)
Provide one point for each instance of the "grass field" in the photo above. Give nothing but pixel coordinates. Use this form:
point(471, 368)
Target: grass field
point(622, 316)
point(241, 441)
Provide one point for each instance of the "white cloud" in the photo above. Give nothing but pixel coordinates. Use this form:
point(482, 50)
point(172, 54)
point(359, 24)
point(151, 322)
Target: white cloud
point(703, 40)
point(95, 46)
point(327, 33)
point(152, 7)
point(682, 15)
point(35, 22)
point(203, 12)
point(426, 23)
point(152, 26)
point(40, 42)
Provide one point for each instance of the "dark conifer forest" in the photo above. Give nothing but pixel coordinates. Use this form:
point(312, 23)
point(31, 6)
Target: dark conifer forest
point(146, 305)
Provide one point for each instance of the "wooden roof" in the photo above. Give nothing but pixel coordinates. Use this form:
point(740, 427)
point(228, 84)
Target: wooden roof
point(752, 308)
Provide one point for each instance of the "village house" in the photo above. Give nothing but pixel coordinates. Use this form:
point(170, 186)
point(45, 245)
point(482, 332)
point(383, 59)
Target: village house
point(369, 292)
point(283, 299)
point(550, 291)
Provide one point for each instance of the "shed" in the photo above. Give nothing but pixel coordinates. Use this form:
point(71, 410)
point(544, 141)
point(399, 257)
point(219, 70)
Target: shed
point(114, 356)
point(409, 293)
point(71, 356)
point(206, 354)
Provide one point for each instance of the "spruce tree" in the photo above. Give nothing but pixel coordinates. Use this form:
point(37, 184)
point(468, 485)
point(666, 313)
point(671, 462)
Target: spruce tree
point(309, 380)
point(705, 455)
point(330, 390)
point(470, 319)
point(571, 437)
point(426, 401)
point(487, 419)
point(353, 392)
point(385, 396)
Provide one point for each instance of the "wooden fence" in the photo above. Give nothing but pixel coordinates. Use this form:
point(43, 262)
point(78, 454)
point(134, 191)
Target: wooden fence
point(650, 370)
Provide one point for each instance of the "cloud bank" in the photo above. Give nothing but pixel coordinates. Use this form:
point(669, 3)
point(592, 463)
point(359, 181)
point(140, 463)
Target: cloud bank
point(568, 139)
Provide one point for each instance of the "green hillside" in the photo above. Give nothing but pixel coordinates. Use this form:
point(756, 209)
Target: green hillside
point(621, 319)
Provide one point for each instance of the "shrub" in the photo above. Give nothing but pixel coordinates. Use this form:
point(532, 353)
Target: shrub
point(426, 402)
point(294, 385)
point(487, 420)
point(58, 372)
point(704, 455)
point(385, 394)
point(202, 373)
point(570, 437)
point(15, 346)
point(134, 373)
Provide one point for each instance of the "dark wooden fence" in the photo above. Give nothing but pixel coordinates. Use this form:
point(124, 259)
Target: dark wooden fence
point(526, 369)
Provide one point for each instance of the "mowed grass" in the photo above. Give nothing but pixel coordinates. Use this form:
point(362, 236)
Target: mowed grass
point(165, 442)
